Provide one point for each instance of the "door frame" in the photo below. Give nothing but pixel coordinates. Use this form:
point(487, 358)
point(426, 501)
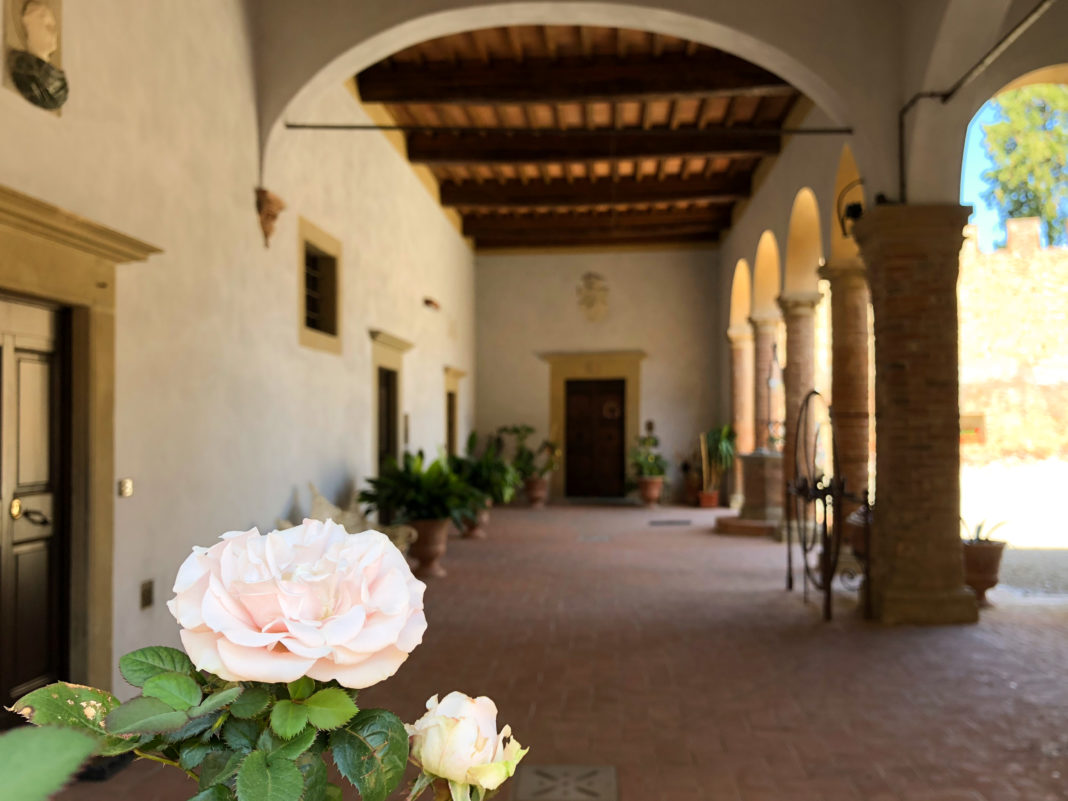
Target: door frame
point(618, 364)
point(60, 258)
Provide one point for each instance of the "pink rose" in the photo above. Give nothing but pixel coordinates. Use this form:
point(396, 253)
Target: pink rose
point(312, 600)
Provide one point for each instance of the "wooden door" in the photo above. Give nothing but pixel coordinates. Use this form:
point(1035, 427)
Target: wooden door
point(451, 444)
point(594, 440)
point(34, 570)
point(387, 415)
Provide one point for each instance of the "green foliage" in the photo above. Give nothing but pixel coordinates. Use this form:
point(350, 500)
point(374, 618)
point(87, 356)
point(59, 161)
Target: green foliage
point(371, 752)
point(717, 456)
point(330, 709)
point(1029, 147)
point(176, 690)
point(488, 471)
point(269, 778)
point(980, 533)
point(144, 715)
point(35, 763)
point(139, 666)
point(415, 492)
point(73, 706)
point(531, 463)
point(288, 718)
point(644, 459)
point(252, 702)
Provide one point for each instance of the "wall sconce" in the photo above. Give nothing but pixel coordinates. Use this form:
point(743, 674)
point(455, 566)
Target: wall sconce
point(430, 303)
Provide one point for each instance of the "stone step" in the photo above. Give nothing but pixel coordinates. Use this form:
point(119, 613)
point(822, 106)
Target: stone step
point(737, 526)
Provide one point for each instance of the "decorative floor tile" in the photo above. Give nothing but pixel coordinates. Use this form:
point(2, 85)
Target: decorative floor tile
point(565, 783)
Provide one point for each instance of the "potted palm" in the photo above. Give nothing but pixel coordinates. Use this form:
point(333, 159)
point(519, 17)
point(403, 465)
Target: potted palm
point(490, 474)
point(533, 466)
point(982, 558)
point(426, 498)
point(649, 467)
point(717, 456)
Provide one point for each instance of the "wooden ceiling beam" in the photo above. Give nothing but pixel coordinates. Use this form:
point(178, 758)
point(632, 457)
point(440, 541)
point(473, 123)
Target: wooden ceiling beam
point(569, 80)
point(489, 147)
point(718, 189)
point(606, 224)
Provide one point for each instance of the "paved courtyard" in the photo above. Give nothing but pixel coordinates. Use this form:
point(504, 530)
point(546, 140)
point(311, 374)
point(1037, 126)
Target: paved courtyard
point(620, 636)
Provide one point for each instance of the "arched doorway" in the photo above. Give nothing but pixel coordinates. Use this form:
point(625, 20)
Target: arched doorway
point(1012, 292)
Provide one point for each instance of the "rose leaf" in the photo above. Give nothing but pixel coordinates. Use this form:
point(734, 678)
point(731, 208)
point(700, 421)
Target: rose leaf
point(297, 746)
point(145, 716)
point(371, 752)
point(252, 701)
point(263, 779)
point(217, 792)
point(313, 768)
point(330, 709)
point(139, 666)
point(218, 767)
point(35, 763)
point(301, 688)
point(216, 701)
point(74, 706)
point(193, 753)
point(241, 734)
point(288, 718)
point(176, 690)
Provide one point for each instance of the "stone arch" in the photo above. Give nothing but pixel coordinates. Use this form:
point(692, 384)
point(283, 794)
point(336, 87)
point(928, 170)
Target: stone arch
point(741, 296)
point(847, 189)
point(298, 74)
point(766, 277)
point(804, 246)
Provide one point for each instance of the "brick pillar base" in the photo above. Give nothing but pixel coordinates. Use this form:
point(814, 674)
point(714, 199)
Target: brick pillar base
point(912, 254)
point(741, 339)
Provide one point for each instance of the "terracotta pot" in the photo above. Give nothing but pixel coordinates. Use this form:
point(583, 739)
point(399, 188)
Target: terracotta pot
point(537, 488)
point(981, 562)
point(429, 547)
point(650, 487)
point(476, 529)
point(708, 498)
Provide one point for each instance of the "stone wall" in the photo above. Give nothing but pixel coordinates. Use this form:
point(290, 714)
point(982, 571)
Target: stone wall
point(1013, 357)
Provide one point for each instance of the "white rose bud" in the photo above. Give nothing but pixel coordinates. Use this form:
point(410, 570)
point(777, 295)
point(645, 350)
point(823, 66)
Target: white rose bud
point(457, 740)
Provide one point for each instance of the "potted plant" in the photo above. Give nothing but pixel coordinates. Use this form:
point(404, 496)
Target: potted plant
point(982, 558)
point(649, 467)
point(717, 456)
point(533, 466)
point(490, 474)
point(426, 498)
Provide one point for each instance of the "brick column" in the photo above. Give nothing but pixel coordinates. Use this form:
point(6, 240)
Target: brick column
point(765, 334)
point(912, 253)
point(799, 372)
point(741, 339)
point(849, 371)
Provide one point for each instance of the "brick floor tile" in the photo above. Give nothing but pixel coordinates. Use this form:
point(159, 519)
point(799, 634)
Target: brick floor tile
point(676, 656)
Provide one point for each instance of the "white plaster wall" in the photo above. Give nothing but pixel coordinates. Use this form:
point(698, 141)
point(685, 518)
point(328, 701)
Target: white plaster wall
point(220, 415)
point(664, 302)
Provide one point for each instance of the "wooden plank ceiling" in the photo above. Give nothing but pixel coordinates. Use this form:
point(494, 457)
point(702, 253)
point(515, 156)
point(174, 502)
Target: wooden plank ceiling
point(583, 135)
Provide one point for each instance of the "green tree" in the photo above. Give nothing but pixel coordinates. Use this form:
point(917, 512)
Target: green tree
point(1028, 144)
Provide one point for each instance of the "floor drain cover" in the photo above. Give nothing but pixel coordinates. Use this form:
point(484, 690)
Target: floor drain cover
point(566, 783)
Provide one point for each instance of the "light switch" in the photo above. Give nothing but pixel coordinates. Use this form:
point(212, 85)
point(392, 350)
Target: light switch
point(125, 487)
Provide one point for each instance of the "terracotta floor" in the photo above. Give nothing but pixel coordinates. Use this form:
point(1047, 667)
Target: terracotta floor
point(675, 655)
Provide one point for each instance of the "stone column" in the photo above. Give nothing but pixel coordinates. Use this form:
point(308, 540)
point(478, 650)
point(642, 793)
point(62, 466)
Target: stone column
point(765, 334)
point(741, 339)
point(912, 254)
point(799, 372)
point(849, 371)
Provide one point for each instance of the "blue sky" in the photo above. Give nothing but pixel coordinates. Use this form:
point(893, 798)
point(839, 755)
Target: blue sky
point(976, 162)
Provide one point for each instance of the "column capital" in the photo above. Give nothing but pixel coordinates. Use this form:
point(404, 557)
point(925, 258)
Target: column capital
point(903, 229)
point(740, 334)
point(765, 322)
point(799, 303)
point(851, 269)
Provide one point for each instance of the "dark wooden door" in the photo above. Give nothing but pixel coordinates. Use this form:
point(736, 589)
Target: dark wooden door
point(594, 446)
point(387, 415)
point(450, 423)
point(34, 571)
